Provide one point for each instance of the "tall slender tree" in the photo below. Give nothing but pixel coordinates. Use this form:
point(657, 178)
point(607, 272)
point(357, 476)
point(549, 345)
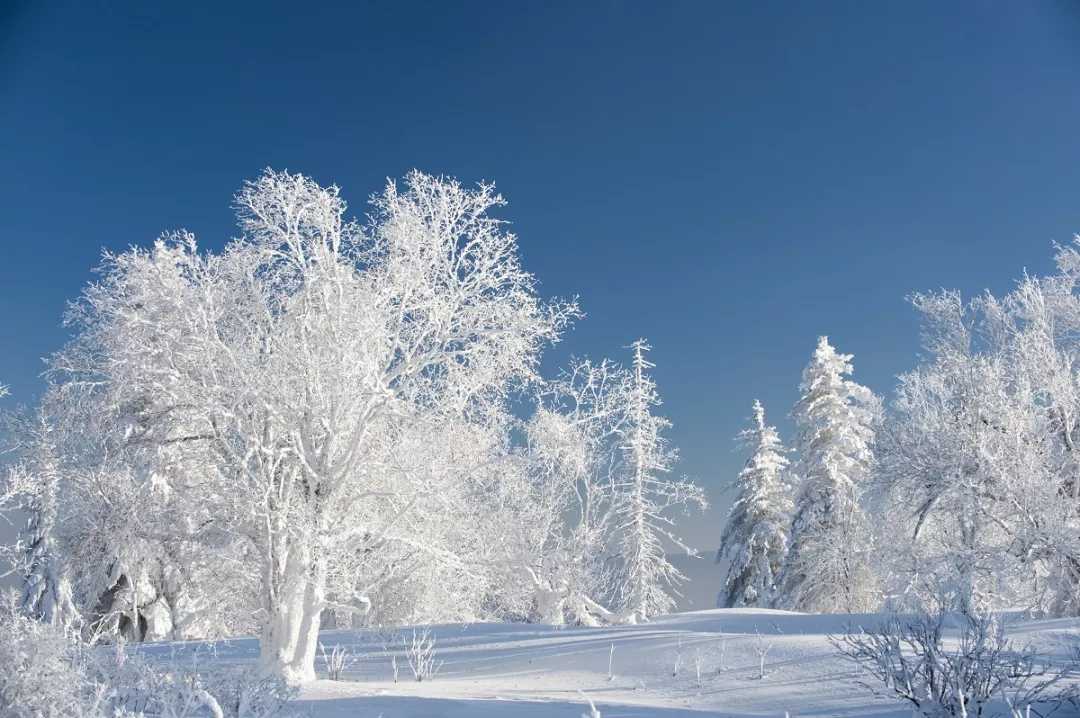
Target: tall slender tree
point(827, 568)
point(646, 497)
point(755, 539)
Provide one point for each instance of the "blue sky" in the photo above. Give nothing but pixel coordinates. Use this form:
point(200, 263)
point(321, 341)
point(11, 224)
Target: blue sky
point(729, 180)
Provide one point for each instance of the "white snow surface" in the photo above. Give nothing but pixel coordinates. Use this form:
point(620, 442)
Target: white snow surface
point(527, 671)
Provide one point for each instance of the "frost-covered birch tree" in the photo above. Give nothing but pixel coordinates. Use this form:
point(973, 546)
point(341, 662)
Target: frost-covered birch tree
point(828, 567)
point(645, 498)
point(755, 539)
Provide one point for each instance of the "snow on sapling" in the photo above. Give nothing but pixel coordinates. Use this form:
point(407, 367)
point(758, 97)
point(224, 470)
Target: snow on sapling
point(761, 648)
point(677, 658)
point(699, 658)
point(722, 652)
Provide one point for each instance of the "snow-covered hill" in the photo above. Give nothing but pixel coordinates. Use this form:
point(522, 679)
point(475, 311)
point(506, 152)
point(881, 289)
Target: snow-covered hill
point(529, 671)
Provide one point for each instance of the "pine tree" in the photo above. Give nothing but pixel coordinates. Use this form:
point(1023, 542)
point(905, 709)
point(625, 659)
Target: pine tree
point(755, 540)
point(644, 496)
point(827, 568)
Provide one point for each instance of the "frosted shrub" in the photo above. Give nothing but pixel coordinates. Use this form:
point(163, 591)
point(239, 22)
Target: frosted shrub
point(40, 675)
point(242, 693)
point(187, 689)
point(45, 673)
point(983, 669)
point(337, 661)
point(420, 652)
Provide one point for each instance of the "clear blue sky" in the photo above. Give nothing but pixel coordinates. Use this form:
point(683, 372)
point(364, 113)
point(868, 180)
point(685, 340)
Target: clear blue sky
point(728, 179)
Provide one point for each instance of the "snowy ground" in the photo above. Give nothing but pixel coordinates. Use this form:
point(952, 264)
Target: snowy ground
point(528, 671)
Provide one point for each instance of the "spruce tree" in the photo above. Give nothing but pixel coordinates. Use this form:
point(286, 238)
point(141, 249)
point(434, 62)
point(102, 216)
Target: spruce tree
point(827, 568)
point(644, 497)
point(755, 539)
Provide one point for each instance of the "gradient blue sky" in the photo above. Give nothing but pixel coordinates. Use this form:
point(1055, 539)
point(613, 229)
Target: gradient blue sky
point(729, 180)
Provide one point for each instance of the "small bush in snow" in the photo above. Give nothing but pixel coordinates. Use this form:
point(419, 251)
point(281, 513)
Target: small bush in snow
point(40, 676)
point(982, 670)
point(337, 661)
point(46, 673)
point(420, 652)
point(188, 689)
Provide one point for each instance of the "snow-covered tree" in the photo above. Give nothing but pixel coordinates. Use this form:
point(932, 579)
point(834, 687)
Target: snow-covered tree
point(979, 451)
point(46, 594)
point(644, 498)
point(755, 539)
point(1037, 325)
point(290, 371)
point(30, 489)
point(828, 567)
point(574, 449)
point(136, 541)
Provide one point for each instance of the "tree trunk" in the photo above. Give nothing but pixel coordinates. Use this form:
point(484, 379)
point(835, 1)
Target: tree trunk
point(294, 601)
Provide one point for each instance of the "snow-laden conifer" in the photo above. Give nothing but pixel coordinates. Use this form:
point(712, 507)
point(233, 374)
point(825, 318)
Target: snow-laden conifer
point(827, 568)
point(645, 498)
point(755, 539)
